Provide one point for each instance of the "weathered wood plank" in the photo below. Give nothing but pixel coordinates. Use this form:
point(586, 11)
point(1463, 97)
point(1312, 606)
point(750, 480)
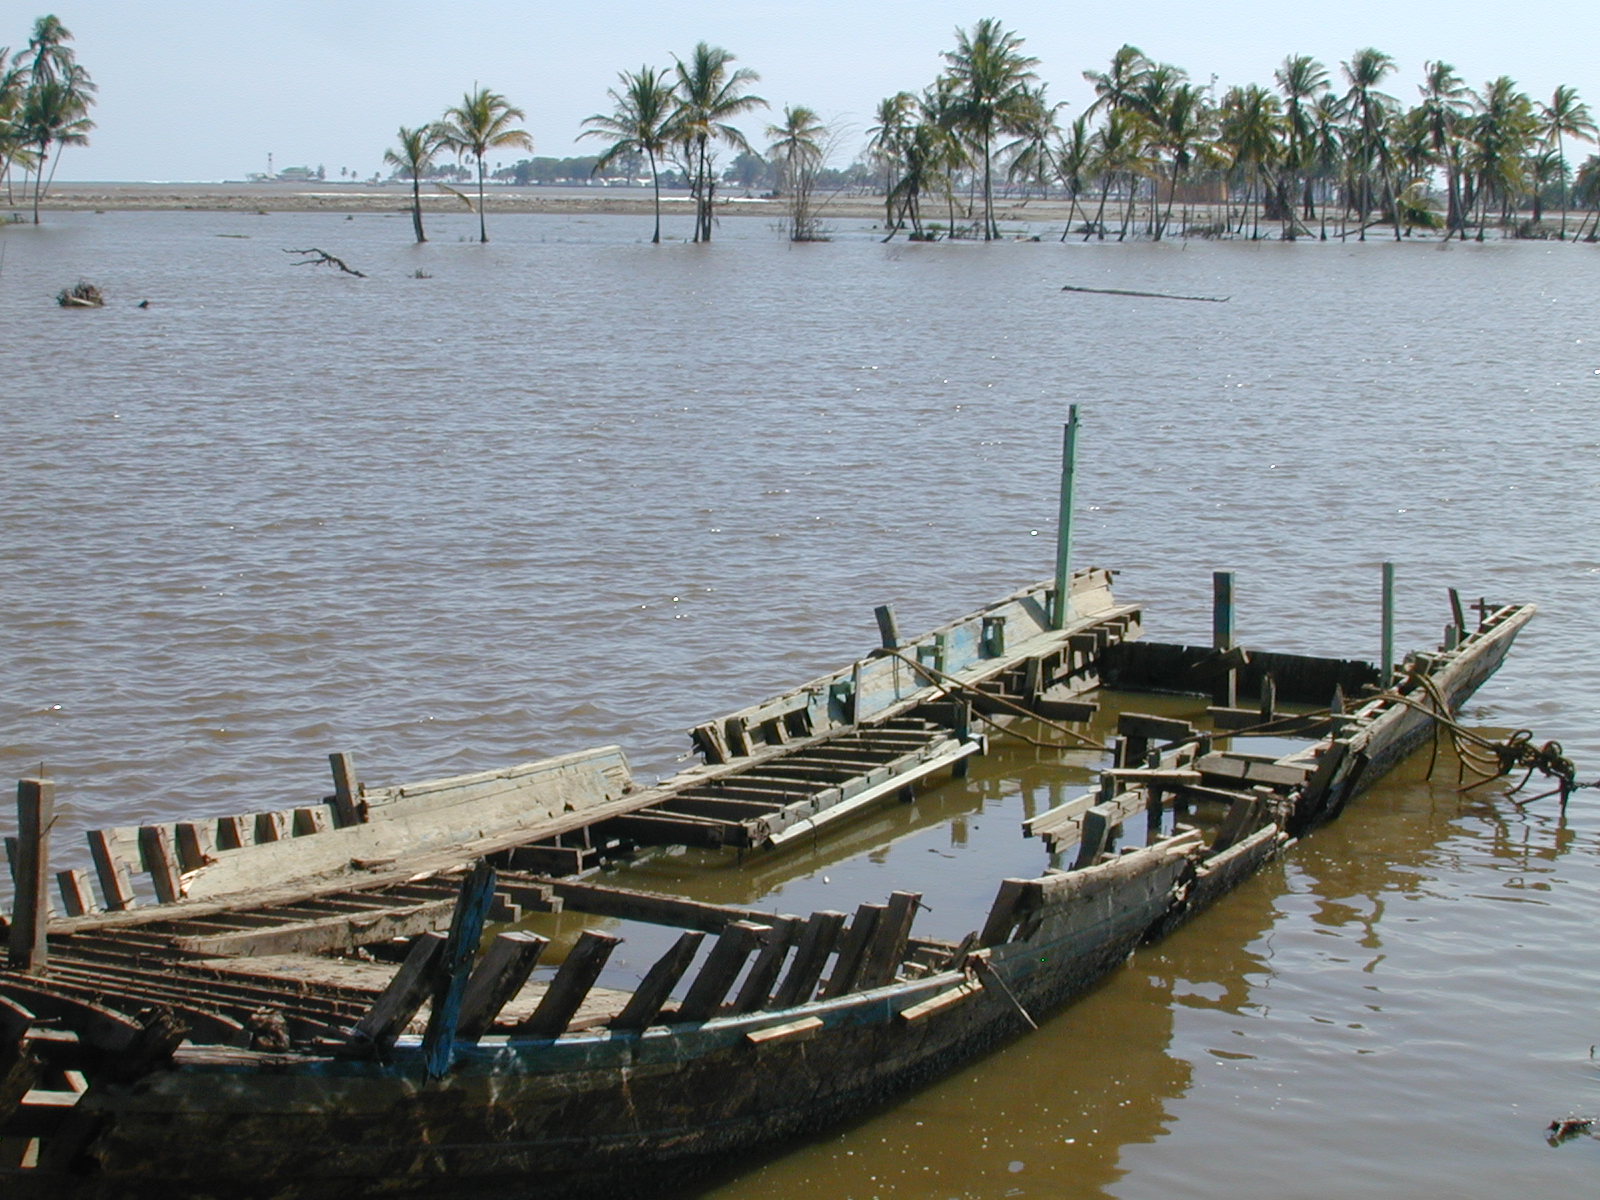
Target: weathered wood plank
point(721, 968)
point(648, 999)
point(392, 1011)
point(36, 804)
point(116, 881)
point(347, 806)
point(340, 931)
point(76, 896)
point(571, 984)
point(817, 941)
point(757, 986)
point(888, 945)
point(852, 950)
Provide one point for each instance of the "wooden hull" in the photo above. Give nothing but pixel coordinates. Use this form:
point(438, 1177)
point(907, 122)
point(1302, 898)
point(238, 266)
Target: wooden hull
point(587, 1114)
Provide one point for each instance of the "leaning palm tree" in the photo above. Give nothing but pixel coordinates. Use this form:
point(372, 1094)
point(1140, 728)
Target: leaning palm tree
point(414, 156)
point(1074, 152)
point(895, 117)
point(990, 77)
point(1115, 89)
point(1250, 124)
point(1504, 132)
point(708, 96)
point(636, 125)
point(1567, 116)
point(1031, 154)
point(799, 148)
point(483, 121)
point(1182, 125)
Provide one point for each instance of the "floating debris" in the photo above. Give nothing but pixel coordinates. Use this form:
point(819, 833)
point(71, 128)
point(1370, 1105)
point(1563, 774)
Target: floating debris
point(81, 295)
point(1148, 295)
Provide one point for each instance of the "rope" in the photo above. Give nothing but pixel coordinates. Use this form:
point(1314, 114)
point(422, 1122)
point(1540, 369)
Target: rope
point(1486, 758)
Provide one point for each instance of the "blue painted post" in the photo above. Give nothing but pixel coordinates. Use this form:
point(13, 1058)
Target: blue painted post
point(466, 931)
point(1388, 623)
point(1069, 455)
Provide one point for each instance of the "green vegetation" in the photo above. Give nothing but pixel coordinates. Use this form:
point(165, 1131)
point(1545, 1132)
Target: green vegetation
point(45, 97)
point(483, 121)
point(414, 156)
point(799, 147)
point(639, 124)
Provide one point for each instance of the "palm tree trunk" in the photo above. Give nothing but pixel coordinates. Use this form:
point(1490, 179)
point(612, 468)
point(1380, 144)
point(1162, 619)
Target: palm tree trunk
point(990, 230)
point(38, 178)
point(483, 230)
point(1097, 227)
point(416, 209)
point(655, 178)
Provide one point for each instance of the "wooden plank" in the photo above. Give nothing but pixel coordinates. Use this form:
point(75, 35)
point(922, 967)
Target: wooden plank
point(271, 827)
point(389, 1015)
point(1154, 728)
point(546, 860)
point(888, 945)
point(757, 986)
point(339, 931)
point(817, 941)
point(196, 843)
point(1004, 912)
point(645, 1005)
point(571, 984)
point(310, 819)
point(116, 882)
point(937, 1004)
point(852, 951)
point(1098, 824)
point(802, 1030)
point(722, 966)
point(347, 806)
point(234, 833)
point(76, 896)
point(155, 845)
point(499, 976)
point(628, 904)
point(450, 974)
point(1227, 766)
point(30, 916)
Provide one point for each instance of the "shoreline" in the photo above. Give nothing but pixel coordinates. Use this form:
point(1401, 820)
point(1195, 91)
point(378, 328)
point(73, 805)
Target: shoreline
point(377, 198)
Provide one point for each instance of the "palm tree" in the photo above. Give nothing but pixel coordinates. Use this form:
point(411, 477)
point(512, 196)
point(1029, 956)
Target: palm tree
point(886, 139)
point(1301, 79)
point(1032, 154)
point(990, 77)
point(414, 156)
point(1328, 136)
point(1443, 106)
point(799, 148)
point(481, 122)
point(1504, 130)
point(13, 92)
point(1250, 122)
point(1568, 116)
point(51, 57)
point(1586, 191)
point(1182, 127)
point(708, 96)
point(637, 125)
point(1073, 155)
point(55, 113)
point(1114, 89)
point(1368, 109)
point(1121, 154)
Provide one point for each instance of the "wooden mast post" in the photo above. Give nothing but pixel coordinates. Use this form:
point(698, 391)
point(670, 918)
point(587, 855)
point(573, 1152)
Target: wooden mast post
point(1069, 456)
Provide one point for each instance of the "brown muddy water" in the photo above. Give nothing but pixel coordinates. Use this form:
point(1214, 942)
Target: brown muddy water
point(570, 488)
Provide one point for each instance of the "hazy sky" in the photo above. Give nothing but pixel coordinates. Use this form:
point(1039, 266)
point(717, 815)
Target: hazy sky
point(194, 90)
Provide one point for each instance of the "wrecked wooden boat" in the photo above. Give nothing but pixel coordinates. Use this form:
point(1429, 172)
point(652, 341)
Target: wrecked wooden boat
point(294, 1003)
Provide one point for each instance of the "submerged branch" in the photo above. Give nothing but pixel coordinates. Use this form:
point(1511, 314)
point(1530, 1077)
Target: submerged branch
point(324, 259)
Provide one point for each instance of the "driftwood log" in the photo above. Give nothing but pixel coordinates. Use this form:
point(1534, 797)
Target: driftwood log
point(321, 258)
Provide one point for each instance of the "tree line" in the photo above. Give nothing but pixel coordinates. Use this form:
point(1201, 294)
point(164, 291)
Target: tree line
point(1317, 145)
point(1311, 143)
point(45, 97)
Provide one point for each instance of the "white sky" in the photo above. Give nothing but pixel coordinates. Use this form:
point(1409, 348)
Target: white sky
point(194, 90)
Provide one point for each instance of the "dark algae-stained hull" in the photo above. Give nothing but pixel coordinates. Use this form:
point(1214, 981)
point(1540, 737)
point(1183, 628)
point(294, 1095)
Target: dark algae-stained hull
point(301, 1004)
